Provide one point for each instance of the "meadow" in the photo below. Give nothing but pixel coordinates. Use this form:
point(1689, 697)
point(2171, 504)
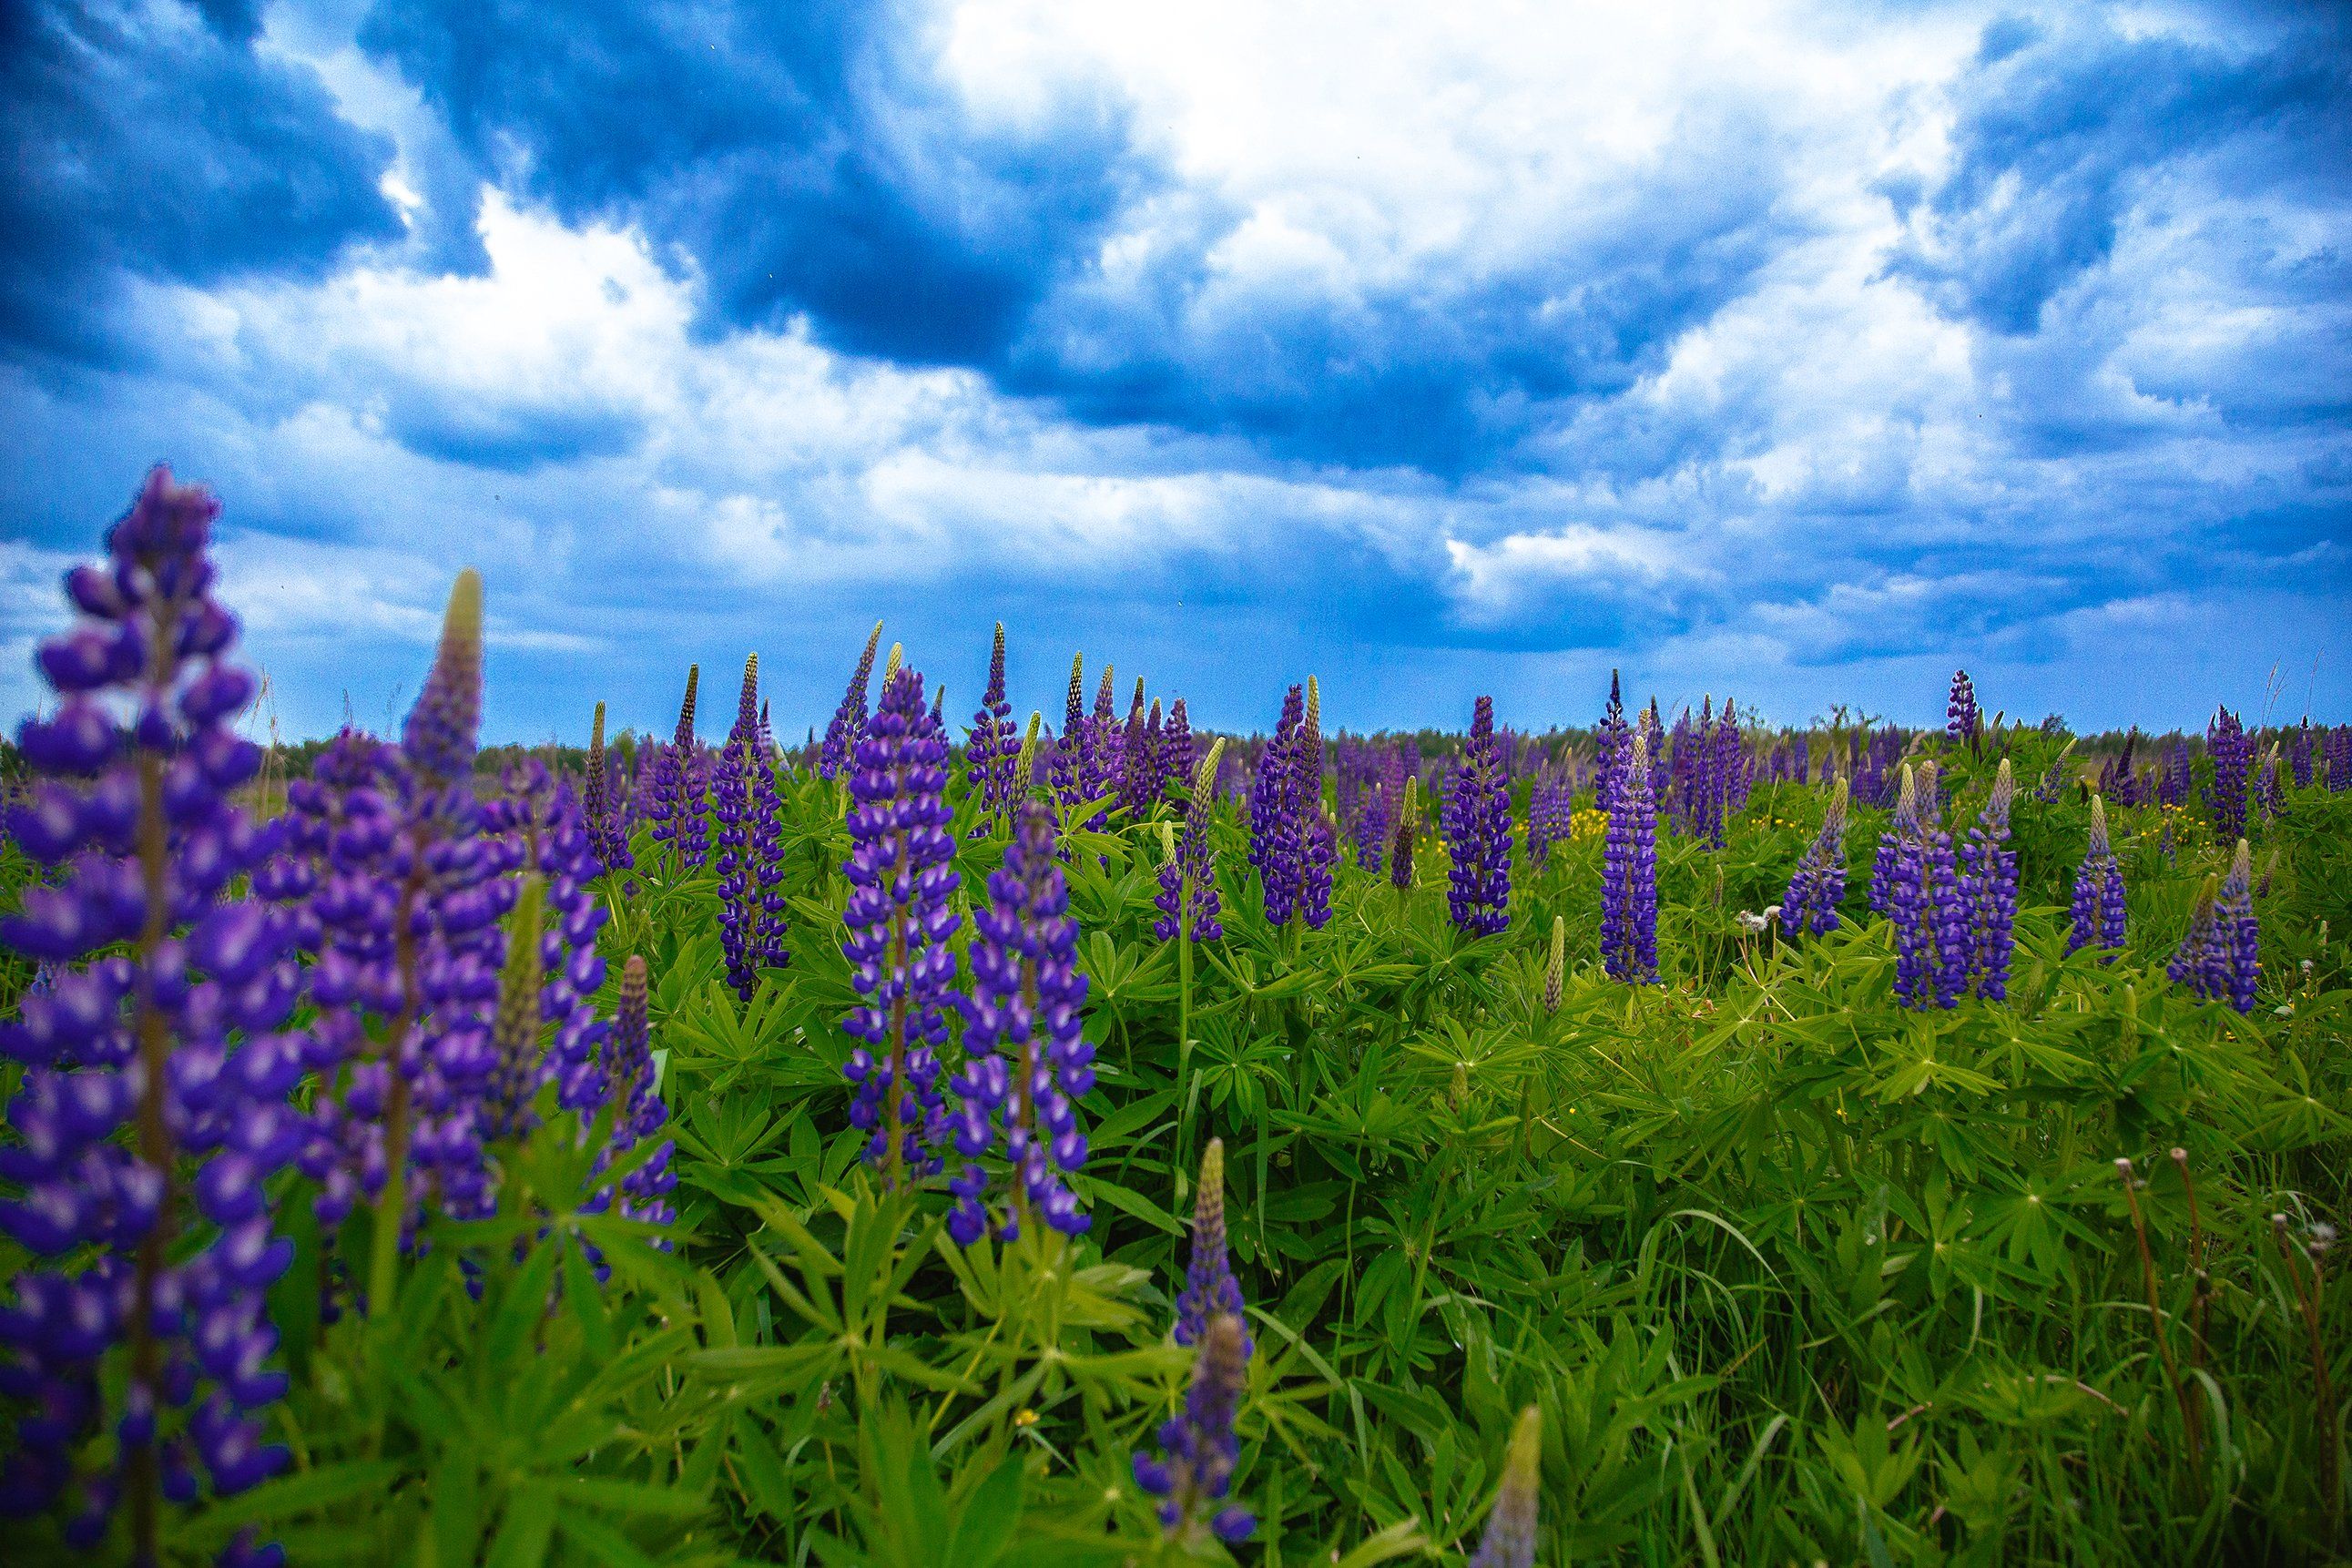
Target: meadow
point(969, 1138)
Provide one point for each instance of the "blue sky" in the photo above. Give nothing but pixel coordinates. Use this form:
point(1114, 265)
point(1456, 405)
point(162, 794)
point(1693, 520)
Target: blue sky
point(1797, 352)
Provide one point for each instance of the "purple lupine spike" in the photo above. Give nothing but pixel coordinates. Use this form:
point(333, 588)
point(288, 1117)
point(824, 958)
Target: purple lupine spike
point(1318, 837)
point(1073, 752)
point(1611, 738)
point(1276, 811)
point(1478, 823)
point(1683, 785)
point(1963, 722)
point(1026, 1051)
point(608, 840)
point(1728, 777)
point(2302, 752)
point(2202, 963)
point(1988, 890)
point(751, 848)
point(1177, 751)
point(1199, 1448)
point(2117, 780)
point(2240, 936)
point(1898, 890)
point(1815, 889)
point(514, 1032)
point(1210, 1290)
point(547, 838)
point(1188, 877)
point(674, 793)
point(2232, 751)
point(2097, 914)
point(1377, 819)
point(2172, 785)
point(1510, 1538)
point(990, 751)
point(153, 1106)
point(2339, 756)
point(1922, 897)
point(1628, 870)
point(638, 1112)
point(1138, 765)
point(899, 916)
point(847, 725)
point(440, 739)
point(1155, 754)
point(1109, 753)
point(1408, 830)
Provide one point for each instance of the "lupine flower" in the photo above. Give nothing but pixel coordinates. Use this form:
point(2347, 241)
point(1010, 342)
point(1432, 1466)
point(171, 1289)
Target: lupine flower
point(1277, 808)
point(989, 751)
point(1555, 966)
point(1629, 870)
point(638, 1112)
point(1612, 738)
point(900, 917)
point(2339, 759)
point(1510, 1538)
point(1109, 751)
point(2269, 793)
point(2117, 780)
point(1477, 825)
point(2220, 961)
point(1408, 826)
point(675, 805)
point(605, 837)
point(2054, 781)
point(1210, 1289)
point(1918, 888)
point(1318, 837)
point(1963, 721)
point(1177, 761)
point(2301, 755)
point(2097, 915)
point(1139, 767)
point(1198, 1448)
point(1073, 752)
point(514, 1036)
point(1817, 885)
point(2172, 784)
point(1988, 888)
point(1026, 1054)
point(751, 848)
point(2232, 752)
point(152, 1102)
point(547, 838)
point(1188, 875)
point(847, 725)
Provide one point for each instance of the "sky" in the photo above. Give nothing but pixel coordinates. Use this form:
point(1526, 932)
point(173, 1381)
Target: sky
point(1798, 354)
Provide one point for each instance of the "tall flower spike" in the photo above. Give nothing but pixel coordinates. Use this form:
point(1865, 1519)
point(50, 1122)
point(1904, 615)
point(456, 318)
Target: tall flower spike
point(1556, 967)
point(515, 1035)
point(989, 752)
point(1177, 761)
point(1962, 721)
point(1989, 888)
point(152, 1110)
point(1210, 1287)
point(676, 788)
point(1073, 751)
point(1188, 875)
point(1025, 1050)
point(2233, 753)
point(2233, 917)
point(1277, 808)
point(608, 840)
point(1810, 905)
point(1318, 836)
point(899, 916)
point(847, 725)
point(1477, 823)
point(751, 847)
point(1108, 752)
point(1025, 761)
point(1629, 870)
point(2097, 914)
point(1198, 1448)
point(1510, 1538)
point(1408, 827)
point(2202, 963)
point(638, 1112)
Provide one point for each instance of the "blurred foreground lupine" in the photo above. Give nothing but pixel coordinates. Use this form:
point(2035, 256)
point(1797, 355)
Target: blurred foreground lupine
point(639, 1112)
point(152, 1109)
point(1815, 887)
point(1988, 890)
point(2097, 913)
point(1510, 1538)
point(674, 793)
point(898, 918)
point(1199, 1448)
point(547, 838)
point(1478, 823)
point(1025, 1052)
point(1210, 1287)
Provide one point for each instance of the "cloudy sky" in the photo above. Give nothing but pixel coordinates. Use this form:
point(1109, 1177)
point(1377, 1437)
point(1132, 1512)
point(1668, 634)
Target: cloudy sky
point(1799, 353)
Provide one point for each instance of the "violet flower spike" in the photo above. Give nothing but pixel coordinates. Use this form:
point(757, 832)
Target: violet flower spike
point(1210, 1287)
point(1989, 888)
point(751, 848)
point(1817, 885)
point(900, 917)
point(1199, 1448)
point(1510, 1538)
point(1478, 823)
point(153, 1097)
point(675, 791)
point(1026, 1051)
point(2097, 913)
point(847, 725)
point(1628, 870)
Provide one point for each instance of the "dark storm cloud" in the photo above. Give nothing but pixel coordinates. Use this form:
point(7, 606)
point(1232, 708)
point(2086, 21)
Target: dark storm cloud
point(151, 140)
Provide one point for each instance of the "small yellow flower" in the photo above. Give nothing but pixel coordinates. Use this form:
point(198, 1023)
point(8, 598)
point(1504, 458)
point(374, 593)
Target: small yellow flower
point(1024, 1417)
